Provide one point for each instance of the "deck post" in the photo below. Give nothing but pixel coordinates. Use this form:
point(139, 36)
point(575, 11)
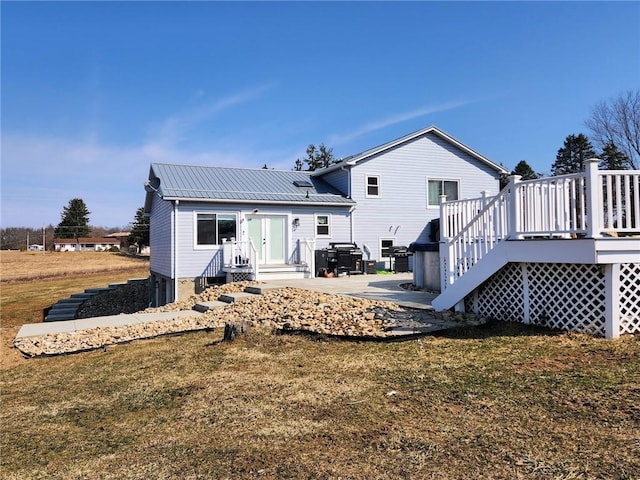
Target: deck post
point(444, 222)
point(612, 300)
point(594, 199)
point(446, 270)
point(514, 210)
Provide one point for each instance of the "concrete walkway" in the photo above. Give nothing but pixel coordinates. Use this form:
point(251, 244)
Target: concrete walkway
point(374, 287)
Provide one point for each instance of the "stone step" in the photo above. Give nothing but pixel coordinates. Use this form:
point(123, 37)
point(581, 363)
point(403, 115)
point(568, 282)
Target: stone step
point(57, 317)
point(203, 307)
point(98, 290)
point(64, 308)
point(260, 289)
point(83, 296)
point(235, 297)
point(71, 301)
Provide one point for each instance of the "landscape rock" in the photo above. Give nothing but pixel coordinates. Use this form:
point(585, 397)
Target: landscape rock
point(286, 309)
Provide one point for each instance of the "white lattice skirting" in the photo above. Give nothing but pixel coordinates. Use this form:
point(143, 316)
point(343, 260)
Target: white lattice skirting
point(602, 300)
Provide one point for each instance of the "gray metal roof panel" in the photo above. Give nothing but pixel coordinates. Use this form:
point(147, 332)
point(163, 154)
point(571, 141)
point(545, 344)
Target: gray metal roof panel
point(242, 184)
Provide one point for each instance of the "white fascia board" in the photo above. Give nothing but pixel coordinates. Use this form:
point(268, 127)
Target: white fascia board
point(262, 202)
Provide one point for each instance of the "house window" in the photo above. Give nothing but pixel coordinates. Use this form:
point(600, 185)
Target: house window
point(435, 188)
point(213, 228)
point(323, 226)
point(385, 246)
point(373, 186)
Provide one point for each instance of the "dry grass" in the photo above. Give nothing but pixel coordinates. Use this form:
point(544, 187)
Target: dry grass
point(38, 280)
point(27, 266)
point(501, 402)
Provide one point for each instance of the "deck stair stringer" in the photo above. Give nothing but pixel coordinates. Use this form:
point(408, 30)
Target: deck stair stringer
point(481, 271)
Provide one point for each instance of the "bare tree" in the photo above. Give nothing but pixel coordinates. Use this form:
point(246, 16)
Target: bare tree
point(618, 122)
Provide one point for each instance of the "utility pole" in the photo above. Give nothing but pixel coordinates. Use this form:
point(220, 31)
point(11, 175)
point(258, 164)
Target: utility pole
point(44, 241)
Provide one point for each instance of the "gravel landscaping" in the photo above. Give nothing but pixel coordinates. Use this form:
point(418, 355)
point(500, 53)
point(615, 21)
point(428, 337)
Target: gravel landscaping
point(283, 309)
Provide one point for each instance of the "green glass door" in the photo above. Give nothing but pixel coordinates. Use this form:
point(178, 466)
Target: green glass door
point(269, 237)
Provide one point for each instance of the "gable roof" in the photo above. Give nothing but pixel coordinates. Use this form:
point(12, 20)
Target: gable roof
point(240, 185)
point(359, 157)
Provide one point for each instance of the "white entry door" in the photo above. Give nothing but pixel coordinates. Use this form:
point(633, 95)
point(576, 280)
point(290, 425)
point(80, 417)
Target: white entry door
point(267, 232)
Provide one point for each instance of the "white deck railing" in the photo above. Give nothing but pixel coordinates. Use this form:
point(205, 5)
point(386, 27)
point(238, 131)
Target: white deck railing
point(620, 200)
point(549, 207)
point(240, 255)
point(479, 235)
point(306, 253)
point(582, 205)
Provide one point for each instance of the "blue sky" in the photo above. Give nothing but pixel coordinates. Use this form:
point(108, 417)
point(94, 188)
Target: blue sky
point(93, 92)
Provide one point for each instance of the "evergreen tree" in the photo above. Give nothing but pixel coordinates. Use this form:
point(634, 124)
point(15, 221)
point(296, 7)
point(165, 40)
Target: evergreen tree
point(317, 157)
point(525, 171)
point(140, 230)
point(571, 157)
point(74, 220)
point(613, 159)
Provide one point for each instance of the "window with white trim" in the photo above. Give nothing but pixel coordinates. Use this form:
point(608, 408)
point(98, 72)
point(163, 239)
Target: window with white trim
point(213, 228)
point(323, 225)
point(373, 186)
point(437, 187)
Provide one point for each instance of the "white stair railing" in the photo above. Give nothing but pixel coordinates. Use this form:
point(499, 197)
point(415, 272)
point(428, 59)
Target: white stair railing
point(240, 255)
point(476, 238)
point(306, 254)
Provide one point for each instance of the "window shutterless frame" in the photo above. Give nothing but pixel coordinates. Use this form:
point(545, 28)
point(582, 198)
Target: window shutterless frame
point(323, 225)
point(441, 186)
point(372, 186)
point(212, 228)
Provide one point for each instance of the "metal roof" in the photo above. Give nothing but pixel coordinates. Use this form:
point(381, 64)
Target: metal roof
point(241, 185)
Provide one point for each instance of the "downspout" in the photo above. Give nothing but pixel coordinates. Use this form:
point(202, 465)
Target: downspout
point(351, 232)
point(175, 250)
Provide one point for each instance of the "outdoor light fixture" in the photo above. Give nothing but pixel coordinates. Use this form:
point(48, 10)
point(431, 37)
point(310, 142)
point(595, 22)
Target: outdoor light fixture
point(296, 222)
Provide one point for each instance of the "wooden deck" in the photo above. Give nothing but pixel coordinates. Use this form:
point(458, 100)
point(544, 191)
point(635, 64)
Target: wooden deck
point(571, 222)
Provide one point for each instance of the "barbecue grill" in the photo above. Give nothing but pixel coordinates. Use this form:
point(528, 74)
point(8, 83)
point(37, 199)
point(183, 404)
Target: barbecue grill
point(348, 257)
point(400, 258)
point(339, 258)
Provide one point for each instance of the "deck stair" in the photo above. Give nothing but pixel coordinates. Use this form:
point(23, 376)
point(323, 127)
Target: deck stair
point(523, 248)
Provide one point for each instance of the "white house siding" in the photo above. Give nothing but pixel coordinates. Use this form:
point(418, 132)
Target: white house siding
point(160, 237)
point(400, 212)
point(207, 262)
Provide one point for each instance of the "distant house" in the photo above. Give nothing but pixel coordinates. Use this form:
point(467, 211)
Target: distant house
point(85, 244)
point(123, 238)
point(36, 248)
point(208, 224)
